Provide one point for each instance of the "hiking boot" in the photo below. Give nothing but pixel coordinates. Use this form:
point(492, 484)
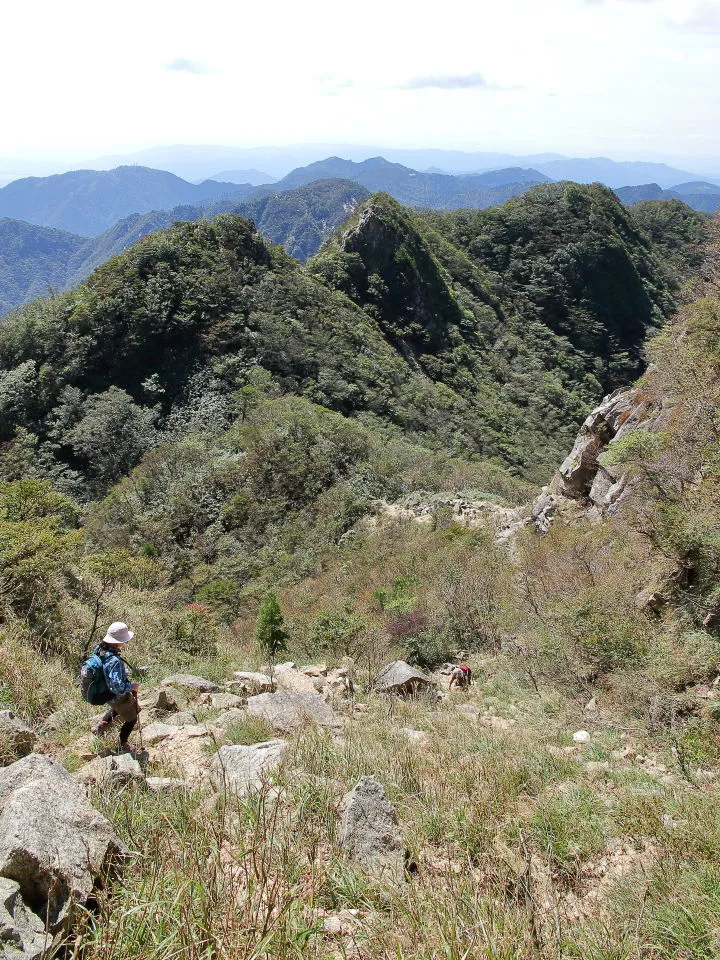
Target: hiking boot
point(100, 728)
point(128, 748)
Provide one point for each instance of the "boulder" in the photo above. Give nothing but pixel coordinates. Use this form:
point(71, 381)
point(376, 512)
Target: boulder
point(369, 832)
point(17, 739)
point(253, 682)
point(53, 843)
point(418, 737)
point(400, 678)
point(165, 701)
point(113, 771)
point(155, 732)
point(288, 678)
point(22, 933)
point(187, 681)
point(187, 750)
point(288, 710)
point(241, 769)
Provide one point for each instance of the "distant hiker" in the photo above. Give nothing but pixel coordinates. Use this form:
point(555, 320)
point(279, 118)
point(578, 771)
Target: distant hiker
point(461, 677)
point(104, 680)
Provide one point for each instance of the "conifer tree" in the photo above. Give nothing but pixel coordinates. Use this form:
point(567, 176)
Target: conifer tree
point(269, 631)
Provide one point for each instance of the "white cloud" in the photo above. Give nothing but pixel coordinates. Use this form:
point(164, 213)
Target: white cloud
point(181, 65)
point(448, 81)
point(622, 80)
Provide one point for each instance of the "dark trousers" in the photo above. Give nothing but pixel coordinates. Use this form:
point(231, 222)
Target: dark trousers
point(125, 708)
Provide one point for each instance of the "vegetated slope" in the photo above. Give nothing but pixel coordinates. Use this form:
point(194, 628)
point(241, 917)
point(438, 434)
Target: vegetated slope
point(530, 310)
point(613, 173)
point(87, 202)
point(300, 219)
point(32, 259)
point(486, 336)
point(436, 190)
point(679, 234)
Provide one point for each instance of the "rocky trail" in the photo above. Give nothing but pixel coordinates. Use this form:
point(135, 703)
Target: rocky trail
point(248, 735)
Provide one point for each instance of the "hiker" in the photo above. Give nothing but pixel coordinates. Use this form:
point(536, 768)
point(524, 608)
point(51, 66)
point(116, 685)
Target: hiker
point(120, 694)
point(461, 677)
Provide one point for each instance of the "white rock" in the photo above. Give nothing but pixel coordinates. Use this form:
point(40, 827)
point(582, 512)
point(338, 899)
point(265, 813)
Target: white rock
point(581, 736)
point(241, 769)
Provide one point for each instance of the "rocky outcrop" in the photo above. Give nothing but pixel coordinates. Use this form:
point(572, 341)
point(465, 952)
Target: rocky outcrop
point(369, 832)
point(241, 769)
point(289, 710)
point(582, 477)
point(400, 678)
point(53, 843)
point(17, 739)
point(460, 511)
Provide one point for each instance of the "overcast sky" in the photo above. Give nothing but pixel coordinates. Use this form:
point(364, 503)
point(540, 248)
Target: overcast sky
point(623, 78)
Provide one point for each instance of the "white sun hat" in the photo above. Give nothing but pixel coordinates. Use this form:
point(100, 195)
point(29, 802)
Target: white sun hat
point(118, 633)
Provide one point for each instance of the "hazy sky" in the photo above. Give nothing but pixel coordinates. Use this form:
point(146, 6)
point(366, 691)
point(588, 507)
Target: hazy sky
point(623, 78)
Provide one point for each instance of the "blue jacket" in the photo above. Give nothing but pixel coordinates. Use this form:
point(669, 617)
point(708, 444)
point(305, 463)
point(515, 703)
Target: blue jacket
point(115, 671)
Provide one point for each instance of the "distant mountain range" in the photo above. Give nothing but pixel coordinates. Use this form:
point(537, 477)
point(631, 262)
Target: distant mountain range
point(201, 162)
point(696, 194)
point(254, 177)
point(87, 202)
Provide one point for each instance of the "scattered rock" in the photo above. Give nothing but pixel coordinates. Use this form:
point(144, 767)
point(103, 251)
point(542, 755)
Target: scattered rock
point(333, 926)
point(581, 736)
point(240, 769)
point(591, 706)
point(22, 933)
point(315, 670)
point(254, 682)
point(17, 739)
point(115, 771)
point(53, 843)
point(187, 681)
point(400, 678)
point(288, 711)
point(369, 832)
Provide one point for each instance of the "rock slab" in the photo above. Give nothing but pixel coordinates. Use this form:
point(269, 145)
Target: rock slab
point(289, 710)
point(369, 832)
point(241, 769)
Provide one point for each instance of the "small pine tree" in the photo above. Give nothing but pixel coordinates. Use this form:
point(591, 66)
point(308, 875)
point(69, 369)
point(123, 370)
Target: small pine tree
point(269, 631)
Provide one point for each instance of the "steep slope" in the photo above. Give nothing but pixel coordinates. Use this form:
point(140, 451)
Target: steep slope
point(32, 259)
point(87, 202)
